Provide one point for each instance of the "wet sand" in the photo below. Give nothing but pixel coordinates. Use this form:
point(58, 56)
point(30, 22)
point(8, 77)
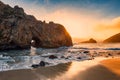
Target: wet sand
point(112, 64)
point(42, 73)
point(108, 69)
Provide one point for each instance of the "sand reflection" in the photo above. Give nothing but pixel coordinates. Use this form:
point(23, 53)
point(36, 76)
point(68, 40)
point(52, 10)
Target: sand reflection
point(84, 70)
point(89, 70)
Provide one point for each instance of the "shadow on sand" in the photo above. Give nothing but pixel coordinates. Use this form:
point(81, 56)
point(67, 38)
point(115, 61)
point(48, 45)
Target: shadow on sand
point(42, 73)
point(97, 72)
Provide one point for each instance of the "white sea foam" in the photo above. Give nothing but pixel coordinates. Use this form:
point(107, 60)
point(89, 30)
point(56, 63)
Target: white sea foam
point(63, 54)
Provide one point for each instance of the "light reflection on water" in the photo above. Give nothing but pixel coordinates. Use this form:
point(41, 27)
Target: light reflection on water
point(88, 70)
point(32, 51)
point(78, 67)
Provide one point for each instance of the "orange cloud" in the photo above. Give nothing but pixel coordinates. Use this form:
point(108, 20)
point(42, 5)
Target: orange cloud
point(107, 28)
point(113, 25)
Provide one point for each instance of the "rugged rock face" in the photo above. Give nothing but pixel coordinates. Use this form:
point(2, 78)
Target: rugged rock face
point(90, 41)
point(113, 39)
point(17, 29)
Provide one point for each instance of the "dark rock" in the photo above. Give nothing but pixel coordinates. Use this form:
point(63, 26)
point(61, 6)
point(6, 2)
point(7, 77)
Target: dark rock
point(79, 58)
point(62, 57)
point(52, 57)
point(42, 63)
point(86, 51)
point(18, 29)
point(109, 54)
point(35, 65)
point(68, 57)
point(113, 39)
point(90, 41)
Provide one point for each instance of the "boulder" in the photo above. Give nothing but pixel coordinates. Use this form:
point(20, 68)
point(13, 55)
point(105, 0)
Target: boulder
point(35, 66)
point(79, 58)
point(42, 63)
point(52, 57)
point(17, 29)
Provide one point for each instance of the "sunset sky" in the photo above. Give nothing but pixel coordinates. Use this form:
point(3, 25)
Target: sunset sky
point(85, 19)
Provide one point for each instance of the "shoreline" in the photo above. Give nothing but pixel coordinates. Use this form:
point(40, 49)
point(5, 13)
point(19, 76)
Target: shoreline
point(99, 67)
point(95, 60)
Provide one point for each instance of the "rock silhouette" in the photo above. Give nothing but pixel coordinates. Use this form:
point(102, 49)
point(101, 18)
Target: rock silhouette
point(17, 29)
point(90, 41)
point(113, 39)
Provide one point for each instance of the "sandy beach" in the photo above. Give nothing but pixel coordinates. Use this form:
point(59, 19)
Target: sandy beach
point(112, 64)
point(59, 40)
point(106, 69)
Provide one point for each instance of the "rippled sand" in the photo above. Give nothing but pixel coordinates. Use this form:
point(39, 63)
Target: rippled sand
point(108, 69)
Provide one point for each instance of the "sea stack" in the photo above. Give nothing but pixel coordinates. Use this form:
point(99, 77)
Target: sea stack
point(17, 30)
point(90, 41)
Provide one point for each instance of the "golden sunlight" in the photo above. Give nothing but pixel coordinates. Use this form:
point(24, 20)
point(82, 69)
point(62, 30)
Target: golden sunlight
point(78, 24)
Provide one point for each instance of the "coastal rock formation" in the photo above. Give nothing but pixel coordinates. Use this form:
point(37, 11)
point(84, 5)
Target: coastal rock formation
point(17, 29)
point(113, 39)
point(90, 41)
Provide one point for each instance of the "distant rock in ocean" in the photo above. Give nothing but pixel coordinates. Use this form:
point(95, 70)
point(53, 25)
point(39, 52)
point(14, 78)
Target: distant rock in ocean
point(90, 41)
point(17, 29)
point(113, 39)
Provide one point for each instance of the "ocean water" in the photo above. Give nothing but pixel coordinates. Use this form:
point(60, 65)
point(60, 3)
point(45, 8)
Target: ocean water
point(23, 59)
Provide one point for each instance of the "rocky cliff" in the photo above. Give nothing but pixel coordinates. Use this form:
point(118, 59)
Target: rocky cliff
point(17, 29)
point(113, 39)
